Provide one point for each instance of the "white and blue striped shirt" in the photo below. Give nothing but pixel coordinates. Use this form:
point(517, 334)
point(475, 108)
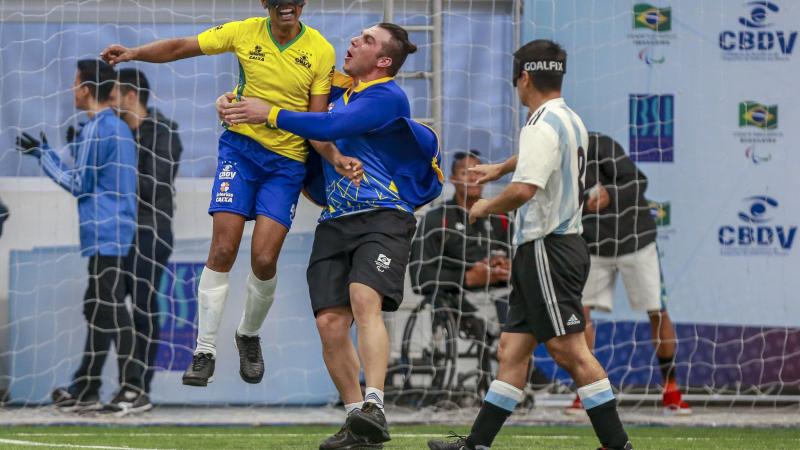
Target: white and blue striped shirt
point(552, 156)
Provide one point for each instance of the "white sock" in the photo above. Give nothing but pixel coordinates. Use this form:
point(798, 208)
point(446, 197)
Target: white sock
point(350, 407)
point(260, 295)
point(374, 395)
point(212, 293)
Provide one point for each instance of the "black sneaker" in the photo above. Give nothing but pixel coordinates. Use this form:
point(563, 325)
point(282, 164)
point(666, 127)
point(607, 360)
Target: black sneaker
point(460, 443)
point(628, 446)
point(65, 401)
point(127, 401)
point(344, 439)
point(369, 422)
point(251, 363)
point(201, 372)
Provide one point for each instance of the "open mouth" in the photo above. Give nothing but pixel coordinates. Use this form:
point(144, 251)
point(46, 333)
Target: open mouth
point(348, 55)
point(286, 14)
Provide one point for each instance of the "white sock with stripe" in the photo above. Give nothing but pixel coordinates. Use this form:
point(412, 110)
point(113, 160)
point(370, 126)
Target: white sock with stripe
point(350, 407)
point(503, 395)
point(596, 394)
point(374, 395)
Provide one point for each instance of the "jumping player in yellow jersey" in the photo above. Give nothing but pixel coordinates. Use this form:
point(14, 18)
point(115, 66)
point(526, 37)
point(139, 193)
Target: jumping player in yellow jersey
point(260, 169)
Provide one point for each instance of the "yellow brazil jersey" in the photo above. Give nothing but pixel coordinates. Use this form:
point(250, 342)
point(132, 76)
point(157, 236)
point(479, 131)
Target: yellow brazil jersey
point(283, 75)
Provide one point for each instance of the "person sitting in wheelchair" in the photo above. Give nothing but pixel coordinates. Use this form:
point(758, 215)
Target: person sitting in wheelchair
point(465, 267)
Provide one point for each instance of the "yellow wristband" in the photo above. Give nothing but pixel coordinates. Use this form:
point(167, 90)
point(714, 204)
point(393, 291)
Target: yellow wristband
point(272, 119)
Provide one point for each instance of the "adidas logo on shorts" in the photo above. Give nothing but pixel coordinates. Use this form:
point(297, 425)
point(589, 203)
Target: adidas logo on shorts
point(573, 320)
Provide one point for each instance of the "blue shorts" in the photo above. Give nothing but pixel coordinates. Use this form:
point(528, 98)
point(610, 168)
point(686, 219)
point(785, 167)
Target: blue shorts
point(252, 180)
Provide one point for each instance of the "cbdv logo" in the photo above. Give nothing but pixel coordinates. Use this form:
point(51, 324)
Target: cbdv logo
point(758, 41)
point(755, 234)
point(758, 123)
point(651, 25)
point(651, 127)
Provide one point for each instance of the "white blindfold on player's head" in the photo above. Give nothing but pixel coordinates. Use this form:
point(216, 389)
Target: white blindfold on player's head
point(549, 66)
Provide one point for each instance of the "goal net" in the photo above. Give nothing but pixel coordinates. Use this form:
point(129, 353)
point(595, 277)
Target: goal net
point(673, 83)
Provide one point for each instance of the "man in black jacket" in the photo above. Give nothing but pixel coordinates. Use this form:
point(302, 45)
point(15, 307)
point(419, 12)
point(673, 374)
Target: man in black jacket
point(159, 148)
point(621, 233)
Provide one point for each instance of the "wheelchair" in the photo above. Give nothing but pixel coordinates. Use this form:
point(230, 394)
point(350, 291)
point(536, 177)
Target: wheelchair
point(430, 353)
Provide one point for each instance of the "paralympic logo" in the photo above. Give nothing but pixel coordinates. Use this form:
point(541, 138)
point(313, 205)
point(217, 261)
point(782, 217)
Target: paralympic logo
point(646, 55)
point(750, 153)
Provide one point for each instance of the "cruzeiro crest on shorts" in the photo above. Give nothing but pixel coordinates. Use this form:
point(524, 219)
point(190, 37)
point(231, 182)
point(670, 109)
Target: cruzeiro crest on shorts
point(382, 263)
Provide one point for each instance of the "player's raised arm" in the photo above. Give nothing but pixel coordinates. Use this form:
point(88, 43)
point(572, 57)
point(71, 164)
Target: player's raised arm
point(163, 51)
point(492, 172)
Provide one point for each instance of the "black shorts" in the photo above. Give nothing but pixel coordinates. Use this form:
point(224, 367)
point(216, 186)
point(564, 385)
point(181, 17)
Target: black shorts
point(547, 277)
point(370, 248)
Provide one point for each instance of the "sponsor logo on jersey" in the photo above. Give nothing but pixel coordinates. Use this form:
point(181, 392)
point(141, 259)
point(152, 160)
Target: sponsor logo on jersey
point(223, 196)
point(652, 127)
point(756, 233)
point(758, 39)
point(257, 54)
point(383, 262)
point(302, 60)
point(227, 172)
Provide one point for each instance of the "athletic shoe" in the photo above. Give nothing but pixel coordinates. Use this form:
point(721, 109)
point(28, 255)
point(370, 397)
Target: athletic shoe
point(628, 446)
point(65, 401)
point(201, 372)
point(345, 439)
point(576, 408)
point(251, 363)
point(127, 401)
point(460, 443)
point(370, 422)
point(674, 404)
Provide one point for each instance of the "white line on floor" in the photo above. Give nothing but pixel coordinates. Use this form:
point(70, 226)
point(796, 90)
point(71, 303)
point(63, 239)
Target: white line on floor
point(47, 444)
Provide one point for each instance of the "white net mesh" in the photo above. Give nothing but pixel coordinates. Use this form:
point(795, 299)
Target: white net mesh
point(623, 77)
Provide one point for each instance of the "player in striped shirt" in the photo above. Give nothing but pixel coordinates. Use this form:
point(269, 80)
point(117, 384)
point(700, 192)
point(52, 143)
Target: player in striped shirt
point(551, 261)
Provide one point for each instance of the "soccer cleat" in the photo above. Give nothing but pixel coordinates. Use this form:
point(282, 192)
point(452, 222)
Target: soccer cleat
point(628, 446)
point(460, 443)
point(576, 408)
point(251, 363)
point(127, 401)
point(370, 422)
point(65, 401)
point(345, 439)
point(201, 372)
point(674, 404)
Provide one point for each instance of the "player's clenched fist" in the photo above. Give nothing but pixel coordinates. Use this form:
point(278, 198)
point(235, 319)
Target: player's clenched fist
point(115, 54)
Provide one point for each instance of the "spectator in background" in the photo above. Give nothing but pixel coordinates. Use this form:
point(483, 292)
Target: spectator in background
point(621, 234)
point(465, 266)
point(159, 151)
point(103, 179)
point(3, 215)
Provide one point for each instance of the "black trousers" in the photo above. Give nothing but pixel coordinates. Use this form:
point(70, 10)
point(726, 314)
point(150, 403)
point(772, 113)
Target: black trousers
point(108, 320)
point(149, 263)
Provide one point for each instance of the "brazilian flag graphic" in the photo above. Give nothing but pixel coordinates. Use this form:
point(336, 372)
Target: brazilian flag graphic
point(651, 17)
point(661, 213)
point(753, 114)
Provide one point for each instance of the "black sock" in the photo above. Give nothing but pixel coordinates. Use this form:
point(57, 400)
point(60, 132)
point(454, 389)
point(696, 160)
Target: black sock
point(607, 425)
point(667, 366)
point(488, 423)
